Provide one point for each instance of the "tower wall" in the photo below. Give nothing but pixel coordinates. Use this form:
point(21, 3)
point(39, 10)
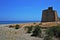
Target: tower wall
point(49, 15)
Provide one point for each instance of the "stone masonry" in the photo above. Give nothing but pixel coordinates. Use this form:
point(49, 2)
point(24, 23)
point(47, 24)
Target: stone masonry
point(49, 15)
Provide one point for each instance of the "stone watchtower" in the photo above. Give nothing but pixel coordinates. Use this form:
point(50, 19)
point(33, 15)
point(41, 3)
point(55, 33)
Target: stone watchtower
point(49, 15)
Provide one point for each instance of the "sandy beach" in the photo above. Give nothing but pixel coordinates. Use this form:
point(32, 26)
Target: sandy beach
point(7, 33)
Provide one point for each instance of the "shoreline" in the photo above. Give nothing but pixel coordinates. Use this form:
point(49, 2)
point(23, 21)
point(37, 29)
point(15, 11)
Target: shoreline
point(21, 24)
point(16, 22)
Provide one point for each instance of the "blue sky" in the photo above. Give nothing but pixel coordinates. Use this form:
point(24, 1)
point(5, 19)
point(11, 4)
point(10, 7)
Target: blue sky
point(23, 10)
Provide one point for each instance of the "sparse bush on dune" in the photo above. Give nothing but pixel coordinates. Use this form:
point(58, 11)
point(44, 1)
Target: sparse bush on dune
point(40, 23)
point(29, 29)
point(26, 27)
point(37, 31)
point(34, 23)
point(56, 30)
point(10, 26)
point(47, 38)
point(49, 32)
point(17, 26)
point(43, 27)
point(53, 31)
point(49, 35)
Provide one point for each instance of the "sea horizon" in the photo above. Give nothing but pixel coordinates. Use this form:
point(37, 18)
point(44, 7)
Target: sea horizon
point(16, 22)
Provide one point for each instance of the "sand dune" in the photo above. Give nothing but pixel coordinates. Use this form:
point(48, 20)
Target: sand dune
point(7, 33)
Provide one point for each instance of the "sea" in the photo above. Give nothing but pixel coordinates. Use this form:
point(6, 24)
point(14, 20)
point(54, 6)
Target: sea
point(16, 22)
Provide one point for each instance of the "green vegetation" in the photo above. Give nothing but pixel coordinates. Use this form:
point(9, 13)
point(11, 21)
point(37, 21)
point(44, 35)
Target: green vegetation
point(47, 38)
point(10, 26)
point(17, 26)
point(37, 31)
point(34, 23)
point(29, 29)
point(56, 30)
point(44, 27)
point(51, 32)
